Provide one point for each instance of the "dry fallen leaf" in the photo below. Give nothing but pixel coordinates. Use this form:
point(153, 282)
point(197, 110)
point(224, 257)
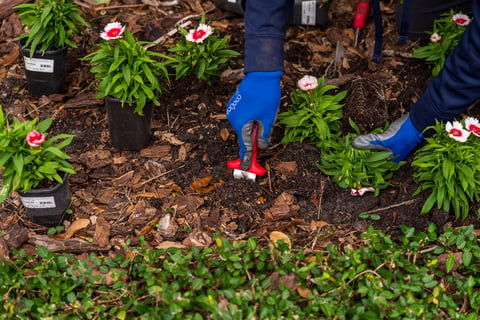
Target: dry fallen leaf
point(198, 239)
point(75, 227)
point(442, 261)
point(182, 153)
point(318, 224)
point(170, 244)
point(148, 227)
point(304, 292)
point(224, 134)
point(202, 185)
point(276, 236)
point(9, 58)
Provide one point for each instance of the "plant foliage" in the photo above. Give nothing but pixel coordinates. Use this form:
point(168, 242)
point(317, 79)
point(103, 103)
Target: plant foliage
point(204, 59)
point(313, 115)
point(450, 170)
point(126, 70)
point(436, 51)
point(51, 24)
point(421, 276)
point(25, 167)
point(356, 168)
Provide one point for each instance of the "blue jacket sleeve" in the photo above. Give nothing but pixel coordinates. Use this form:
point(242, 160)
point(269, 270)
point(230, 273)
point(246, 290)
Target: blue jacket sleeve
point(457, 86)
point(265, 24)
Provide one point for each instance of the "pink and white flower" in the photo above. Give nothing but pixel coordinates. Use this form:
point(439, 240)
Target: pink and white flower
point(457, 131)
point(435, 37)
point(35, 139)
point(473, 125)
point(199, 34)
point(307, 83)
point(113, 30)
point(361, 191)
point(461, 19)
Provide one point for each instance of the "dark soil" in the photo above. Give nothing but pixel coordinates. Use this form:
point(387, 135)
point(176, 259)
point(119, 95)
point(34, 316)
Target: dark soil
point(179, 188)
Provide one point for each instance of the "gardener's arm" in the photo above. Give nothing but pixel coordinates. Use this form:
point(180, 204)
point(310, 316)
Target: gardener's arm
point(456, 87)
point(258, 95)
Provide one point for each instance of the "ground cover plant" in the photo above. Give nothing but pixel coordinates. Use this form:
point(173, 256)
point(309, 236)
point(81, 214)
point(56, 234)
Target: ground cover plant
point(422, 275)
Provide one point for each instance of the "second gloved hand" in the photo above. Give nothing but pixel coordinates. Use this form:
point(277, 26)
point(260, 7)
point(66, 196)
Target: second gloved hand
point(256, 99)
point(400, 139)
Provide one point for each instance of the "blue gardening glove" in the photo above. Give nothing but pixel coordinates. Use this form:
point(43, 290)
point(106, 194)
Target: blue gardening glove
point(400, 139)
point(256, 99)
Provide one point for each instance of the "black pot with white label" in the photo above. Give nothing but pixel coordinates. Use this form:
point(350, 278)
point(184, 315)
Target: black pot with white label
point(46, 71)
point(47, 206)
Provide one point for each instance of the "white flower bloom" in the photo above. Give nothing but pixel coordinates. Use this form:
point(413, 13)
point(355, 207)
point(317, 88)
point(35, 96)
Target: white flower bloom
point(473, 125)
point(307, 83)
point(113, 30)
point(361, 191)
point(461, 19)
point(199, 34)
point(435, 37)
point(457, 131)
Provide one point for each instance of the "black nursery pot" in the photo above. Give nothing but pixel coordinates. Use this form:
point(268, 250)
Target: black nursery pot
point(422, 13)
point(128, 130)
point(46, 72)
point(47, 206)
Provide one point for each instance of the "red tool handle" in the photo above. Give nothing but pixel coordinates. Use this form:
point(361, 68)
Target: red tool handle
point(361, 13)
point(255, 167)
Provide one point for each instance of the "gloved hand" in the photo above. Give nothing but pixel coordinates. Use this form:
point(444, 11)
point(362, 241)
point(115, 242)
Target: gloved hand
point(256, 99)
point(400, 139)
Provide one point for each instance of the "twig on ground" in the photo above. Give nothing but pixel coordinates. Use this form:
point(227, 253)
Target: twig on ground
point(161, 175)
point(320, 197)
point(170, 33)
point(405, 203)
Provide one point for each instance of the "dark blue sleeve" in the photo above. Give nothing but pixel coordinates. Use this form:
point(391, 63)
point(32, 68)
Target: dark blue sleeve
point(265, 24)
point(457, 86)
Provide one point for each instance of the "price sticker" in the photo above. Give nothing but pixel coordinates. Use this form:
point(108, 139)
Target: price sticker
point(39, 65)
point(38, 202)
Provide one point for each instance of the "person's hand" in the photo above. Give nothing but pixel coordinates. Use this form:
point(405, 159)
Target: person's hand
point(400, 139)
point(256, 99)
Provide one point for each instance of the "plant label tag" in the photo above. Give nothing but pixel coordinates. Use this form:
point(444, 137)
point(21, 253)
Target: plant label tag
point(309, 12)
point(39, 65)
point(38, 202)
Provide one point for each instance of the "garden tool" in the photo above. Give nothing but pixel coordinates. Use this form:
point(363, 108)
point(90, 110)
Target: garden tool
point(255, 168)
point(361, 14)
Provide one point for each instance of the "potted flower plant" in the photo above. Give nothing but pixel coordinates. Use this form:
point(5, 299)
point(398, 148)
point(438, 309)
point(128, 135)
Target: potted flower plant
point(129, 77)
point(200, 52)
point(447, 31)
point(50, 26)
point(36, 167)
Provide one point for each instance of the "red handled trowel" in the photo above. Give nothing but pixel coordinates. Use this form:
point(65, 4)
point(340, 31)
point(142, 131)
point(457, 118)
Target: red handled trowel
point(255, 169)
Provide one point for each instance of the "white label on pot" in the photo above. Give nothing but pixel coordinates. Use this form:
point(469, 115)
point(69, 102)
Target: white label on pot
point(309, 12)
point(39, 202)
point(232, 1)
point(39, 65)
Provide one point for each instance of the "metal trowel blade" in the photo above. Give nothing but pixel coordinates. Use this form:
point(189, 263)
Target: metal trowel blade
point(240, 174)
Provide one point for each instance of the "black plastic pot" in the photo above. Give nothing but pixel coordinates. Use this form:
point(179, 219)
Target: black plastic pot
point(305, 12)
point(128, 130)
point(46, 73)
point(422, 13)
point(47, 206)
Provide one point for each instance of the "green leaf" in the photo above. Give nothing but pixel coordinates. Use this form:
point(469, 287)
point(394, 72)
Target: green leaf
point(42, 252)
point(450, 263)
